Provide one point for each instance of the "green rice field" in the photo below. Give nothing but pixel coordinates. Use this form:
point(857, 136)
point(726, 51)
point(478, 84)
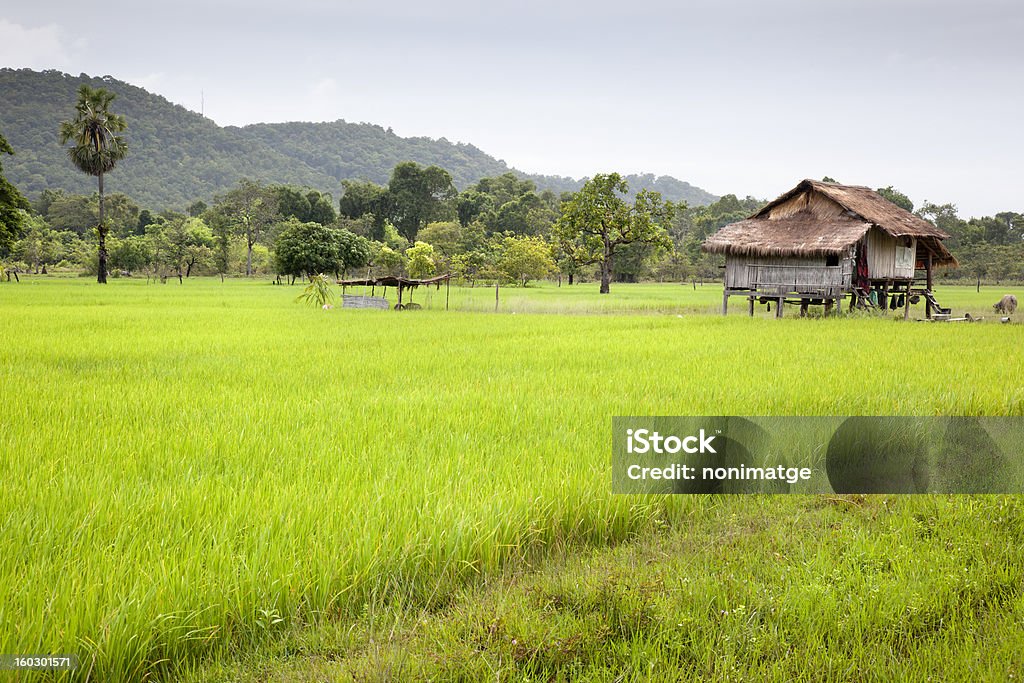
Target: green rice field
point(190, 470)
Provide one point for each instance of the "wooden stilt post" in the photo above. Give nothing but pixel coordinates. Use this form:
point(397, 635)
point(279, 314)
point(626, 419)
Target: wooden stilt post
point(750, 306)
point(928, 286)
point(778, 306)
point(495, 297)
point(906, 302)
point(447, 290)
point(725, 302)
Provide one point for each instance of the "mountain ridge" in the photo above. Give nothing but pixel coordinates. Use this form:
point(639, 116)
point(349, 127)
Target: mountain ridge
point(177, 156)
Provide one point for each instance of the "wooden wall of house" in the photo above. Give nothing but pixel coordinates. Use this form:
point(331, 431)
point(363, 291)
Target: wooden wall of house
point(888, 257)
point(809, 270)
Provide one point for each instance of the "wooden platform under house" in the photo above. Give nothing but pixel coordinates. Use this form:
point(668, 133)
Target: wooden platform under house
point(824, 243)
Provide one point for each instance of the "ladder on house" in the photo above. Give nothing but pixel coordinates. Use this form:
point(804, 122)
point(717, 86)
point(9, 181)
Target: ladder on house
point(863, 298)
point(930, 298)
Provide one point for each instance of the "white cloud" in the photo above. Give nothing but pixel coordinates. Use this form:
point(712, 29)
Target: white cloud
point(34, 48)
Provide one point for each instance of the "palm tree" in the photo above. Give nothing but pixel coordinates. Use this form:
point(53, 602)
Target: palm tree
point(96, 148)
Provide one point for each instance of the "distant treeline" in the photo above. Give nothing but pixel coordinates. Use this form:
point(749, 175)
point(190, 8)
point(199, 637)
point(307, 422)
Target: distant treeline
point(418, 223)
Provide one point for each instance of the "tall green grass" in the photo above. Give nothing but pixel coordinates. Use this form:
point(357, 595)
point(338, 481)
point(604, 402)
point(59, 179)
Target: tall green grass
point(192, 467)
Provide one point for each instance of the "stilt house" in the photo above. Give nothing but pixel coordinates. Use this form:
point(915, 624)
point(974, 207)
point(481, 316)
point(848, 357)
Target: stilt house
point(821, 242)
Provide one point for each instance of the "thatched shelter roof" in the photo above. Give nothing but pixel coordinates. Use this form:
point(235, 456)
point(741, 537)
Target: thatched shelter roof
point(393, 281)
point(821, 219)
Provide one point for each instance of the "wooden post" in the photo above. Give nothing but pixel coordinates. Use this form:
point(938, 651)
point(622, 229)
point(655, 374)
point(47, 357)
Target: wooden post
point(447, 289)
point(399, 295)
point(725, 302)
point(885, 296)
point(906, 302)
point(495, 297)
point(750, 305)
point(928, 286)
point(778, 306)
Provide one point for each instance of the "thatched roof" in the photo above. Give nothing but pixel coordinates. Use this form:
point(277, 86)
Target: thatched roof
point(820, 219)
point(393, 281)
point(802, 234)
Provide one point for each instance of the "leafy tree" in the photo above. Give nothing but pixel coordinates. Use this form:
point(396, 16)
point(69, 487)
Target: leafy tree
point(46, 197)
point(354, 251)
point(393, 239)
point(197, 208)
point(76, 212)
point(306, 249)
point(39, 246)
point(130, 254)
point(598, 220)
point(362, 199)
point(96, 149)
point(469, 265)
point(445, 236)
point(420, 260)
point(190, 242)
point(321, 208)
point(12, 206)
point(417, 196)
point(388, 260)
point(896, 197)
point(291, 203)
point(249, 210)
point(526, 258)
point(471, 204)
point(945, 217)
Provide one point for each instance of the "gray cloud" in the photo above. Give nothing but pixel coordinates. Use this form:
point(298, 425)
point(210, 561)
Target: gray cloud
point(736, 96)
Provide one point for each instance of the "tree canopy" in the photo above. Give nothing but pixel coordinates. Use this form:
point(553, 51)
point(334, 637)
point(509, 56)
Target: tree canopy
point(12, 206)
point(598, 220)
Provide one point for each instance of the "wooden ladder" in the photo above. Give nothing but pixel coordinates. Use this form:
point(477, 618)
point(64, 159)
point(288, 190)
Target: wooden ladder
point(935, 304)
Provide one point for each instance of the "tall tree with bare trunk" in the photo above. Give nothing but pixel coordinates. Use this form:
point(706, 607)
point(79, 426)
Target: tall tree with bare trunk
point(95, 149)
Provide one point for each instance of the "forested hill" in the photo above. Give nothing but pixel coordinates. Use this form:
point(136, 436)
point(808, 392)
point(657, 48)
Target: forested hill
point(177, 156)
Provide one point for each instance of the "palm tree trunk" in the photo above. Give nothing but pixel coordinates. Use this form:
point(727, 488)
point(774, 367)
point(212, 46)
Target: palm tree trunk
point(101, 231)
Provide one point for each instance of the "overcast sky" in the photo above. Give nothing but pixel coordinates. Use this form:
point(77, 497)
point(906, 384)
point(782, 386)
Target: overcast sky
point(741, 96)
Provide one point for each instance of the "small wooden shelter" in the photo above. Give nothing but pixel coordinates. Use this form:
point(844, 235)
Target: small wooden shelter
point(400, 283)
point(821, 242)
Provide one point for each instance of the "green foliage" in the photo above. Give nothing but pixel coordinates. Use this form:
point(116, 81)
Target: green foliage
point(179, 156)
point(131, 254)
point(420, 258)
point(388, 261)
point(417, 196)
point(248, 210)
point(445, 236)
point(318, 291)
point(96, 146)
point(598, 220)
point(12, 206)
point(305, 249)
point(896, 197)
point(526, 258)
